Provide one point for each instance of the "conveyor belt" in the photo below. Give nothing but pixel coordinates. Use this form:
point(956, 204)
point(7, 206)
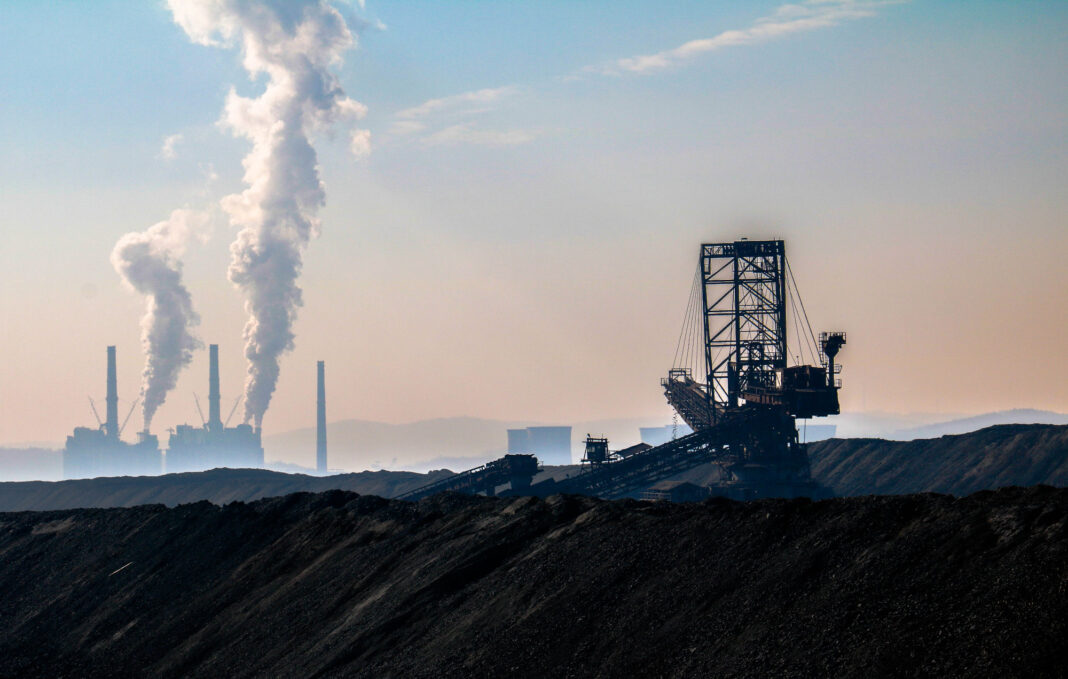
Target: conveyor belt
point(636, 473)
point(516, 470)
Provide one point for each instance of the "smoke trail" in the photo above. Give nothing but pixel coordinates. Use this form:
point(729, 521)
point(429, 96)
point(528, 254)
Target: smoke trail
point(294, 43)
point(148, 262)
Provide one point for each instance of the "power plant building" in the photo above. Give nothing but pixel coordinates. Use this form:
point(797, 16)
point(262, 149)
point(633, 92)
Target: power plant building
point(213, 445)
point(551, 445)
point(518, 441)
point(97, 452)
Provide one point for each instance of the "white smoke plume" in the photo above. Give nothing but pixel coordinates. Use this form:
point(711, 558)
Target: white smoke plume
point(149, 263)
point(295, 43)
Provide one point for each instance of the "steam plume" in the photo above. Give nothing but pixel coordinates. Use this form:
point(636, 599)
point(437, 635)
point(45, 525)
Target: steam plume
point(294, 43)
point(149, 263)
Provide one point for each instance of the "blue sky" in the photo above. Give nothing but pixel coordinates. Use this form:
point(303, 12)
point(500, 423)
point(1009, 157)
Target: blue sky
point(528, 252)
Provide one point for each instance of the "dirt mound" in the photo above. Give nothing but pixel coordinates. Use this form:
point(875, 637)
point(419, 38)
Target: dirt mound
point(342, 585)
point(995, 457)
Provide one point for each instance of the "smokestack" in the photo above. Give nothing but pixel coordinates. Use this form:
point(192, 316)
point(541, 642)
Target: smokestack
point(214, 413)
point(112, 425)
point(320, 421)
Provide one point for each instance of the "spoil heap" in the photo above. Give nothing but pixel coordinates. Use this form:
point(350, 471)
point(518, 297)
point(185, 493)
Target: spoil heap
point(995, 457)
point(337, 584)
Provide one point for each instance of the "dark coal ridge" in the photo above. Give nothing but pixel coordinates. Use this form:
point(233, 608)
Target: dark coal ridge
point(995, 457)
point(337, 584)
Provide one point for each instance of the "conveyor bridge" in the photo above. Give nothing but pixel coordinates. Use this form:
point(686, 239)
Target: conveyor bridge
point(631, 475)
point(515, 470)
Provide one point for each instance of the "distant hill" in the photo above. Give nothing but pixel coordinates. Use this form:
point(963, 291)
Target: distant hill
point(469, 441)
point(968, 424)
point(1004, 455)
point(464, 442)
point(28, 464)
point(363, 444)
point(428, 444)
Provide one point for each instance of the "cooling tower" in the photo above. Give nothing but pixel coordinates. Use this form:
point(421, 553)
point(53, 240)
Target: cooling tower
point(552, 445)
point(519, 441)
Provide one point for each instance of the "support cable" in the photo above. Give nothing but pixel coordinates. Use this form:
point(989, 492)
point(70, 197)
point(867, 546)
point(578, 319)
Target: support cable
point(790, 272)
point(691, 323)
point(801, 340)
point(695, 319)
point(685, 323)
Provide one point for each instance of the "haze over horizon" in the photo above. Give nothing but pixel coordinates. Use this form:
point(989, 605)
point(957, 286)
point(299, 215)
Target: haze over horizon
point(517, 239)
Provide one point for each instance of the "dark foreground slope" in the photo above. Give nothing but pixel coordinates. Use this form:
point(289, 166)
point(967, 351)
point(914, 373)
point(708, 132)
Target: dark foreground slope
point(995, 457)
point(343, 585)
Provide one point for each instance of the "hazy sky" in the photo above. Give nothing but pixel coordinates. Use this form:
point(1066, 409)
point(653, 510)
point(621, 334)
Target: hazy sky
point(520, 241)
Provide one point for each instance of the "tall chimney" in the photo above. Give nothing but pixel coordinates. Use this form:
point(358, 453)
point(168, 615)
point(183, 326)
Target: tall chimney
point(320, 421)
point(111, 428)
point(214, 413)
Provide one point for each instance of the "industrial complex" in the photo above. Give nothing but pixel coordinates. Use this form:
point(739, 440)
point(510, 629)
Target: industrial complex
point(213, 444)
point(100, 452)
point(92, 452)
point(740, 403)
point(735, 386)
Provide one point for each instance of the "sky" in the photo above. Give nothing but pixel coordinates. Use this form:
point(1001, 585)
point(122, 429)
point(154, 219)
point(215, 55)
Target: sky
point(517, 236)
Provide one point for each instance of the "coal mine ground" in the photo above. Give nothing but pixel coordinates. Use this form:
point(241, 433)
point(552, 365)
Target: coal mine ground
point(336, 584)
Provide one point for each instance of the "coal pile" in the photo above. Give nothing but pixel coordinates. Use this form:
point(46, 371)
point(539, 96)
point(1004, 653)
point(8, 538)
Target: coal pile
point(337, 584)
point(995, 457)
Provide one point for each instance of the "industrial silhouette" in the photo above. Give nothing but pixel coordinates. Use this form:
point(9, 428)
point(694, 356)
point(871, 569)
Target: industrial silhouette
point(741, 417)
point(100, 452)
point(213, 444)
point(742, 414)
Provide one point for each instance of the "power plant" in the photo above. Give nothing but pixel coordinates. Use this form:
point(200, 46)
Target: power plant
point(732, 383)
point(99, 451)
point(742, 410)
point(213, 444)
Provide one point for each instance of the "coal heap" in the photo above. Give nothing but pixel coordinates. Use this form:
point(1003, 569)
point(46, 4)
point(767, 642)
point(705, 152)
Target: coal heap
point(336, 584)
point(994, 457)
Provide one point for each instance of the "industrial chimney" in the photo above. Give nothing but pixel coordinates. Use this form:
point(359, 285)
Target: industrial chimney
point(320, 421)
point(214, 413)
point(111, 427)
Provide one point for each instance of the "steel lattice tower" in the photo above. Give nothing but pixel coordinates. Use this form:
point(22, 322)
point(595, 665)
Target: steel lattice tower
point(743, 294)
